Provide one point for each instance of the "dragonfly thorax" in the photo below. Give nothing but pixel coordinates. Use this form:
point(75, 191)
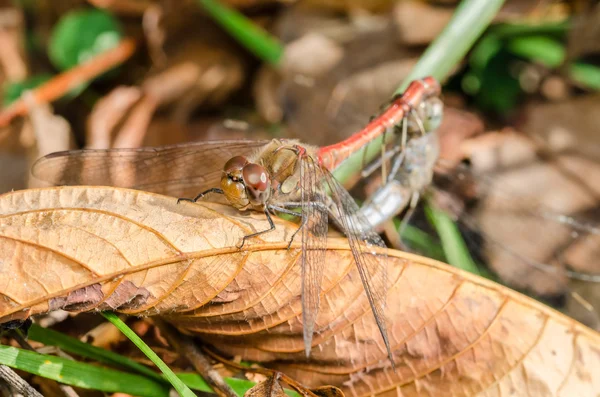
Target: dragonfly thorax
point(245, 184)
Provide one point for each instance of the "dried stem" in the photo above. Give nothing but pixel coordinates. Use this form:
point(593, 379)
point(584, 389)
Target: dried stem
point(186, 346)
point(264, 371)
point(17, 383)
point(66, 389)
point(66, 81)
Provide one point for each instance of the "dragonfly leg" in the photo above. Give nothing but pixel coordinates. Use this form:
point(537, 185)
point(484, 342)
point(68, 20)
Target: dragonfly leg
point(198, 197)
point(396, 165)
point(293, 213)
point(414, 200)
point(304, 220)
point(375, 164)
point(419, 122)
point(271, 228)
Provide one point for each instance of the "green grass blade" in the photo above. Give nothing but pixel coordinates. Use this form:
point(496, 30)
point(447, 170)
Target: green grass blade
point(68, 344)
point(454, 246)
point(71, 345)
point(471, 18)
point(469, 21)
point(82, 375)
point(181, 388)
point(253, 37)
point(420, 241)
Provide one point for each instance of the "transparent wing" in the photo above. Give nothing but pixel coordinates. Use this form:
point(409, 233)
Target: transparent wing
point(177, 170)
point(314, 244)
point(363, 243)
point(520, 232)
point(543, 222)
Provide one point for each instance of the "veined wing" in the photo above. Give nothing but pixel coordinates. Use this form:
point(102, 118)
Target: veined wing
point(363, 244)
point(314, 243)
point(528, 242)
point(181, 170)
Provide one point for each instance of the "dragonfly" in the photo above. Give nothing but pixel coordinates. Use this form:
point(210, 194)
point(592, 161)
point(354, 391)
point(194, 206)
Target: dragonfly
point(274, 177)
point(414, 164)
point(413, 160)
point(351, 90)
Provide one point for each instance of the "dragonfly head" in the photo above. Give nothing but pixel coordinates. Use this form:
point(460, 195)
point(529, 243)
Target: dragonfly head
point(433, 113)
point(244, 183)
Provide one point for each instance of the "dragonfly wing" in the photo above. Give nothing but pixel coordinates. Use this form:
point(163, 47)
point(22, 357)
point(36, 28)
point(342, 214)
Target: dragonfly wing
point(525, 220)
point(314, 244)
point(526, 242)
point(178, 170)
point(363, 243)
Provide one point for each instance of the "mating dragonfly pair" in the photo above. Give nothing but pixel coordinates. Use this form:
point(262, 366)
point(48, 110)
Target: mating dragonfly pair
point(275, 177)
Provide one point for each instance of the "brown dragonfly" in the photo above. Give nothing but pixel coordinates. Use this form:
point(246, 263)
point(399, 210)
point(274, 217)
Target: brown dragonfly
point(275, 177)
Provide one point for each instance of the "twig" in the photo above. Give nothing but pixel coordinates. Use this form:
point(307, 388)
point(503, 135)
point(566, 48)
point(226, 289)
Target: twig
point(66, 81)
point(302, 390)
point(66, 389)
point(17, 383)
point(186, 346)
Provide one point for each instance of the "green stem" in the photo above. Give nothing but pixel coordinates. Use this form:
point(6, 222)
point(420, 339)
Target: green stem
point(441, 57)
point(181, 388)
point(250, 35)
point(455, 248)
point(471, 18)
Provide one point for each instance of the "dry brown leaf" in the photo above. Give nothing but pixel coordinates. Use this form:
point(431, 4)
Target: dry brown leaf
point(566, 125)
point(13, 157)
point(328, 391)
point(325, 101)
point(107, 113)
point(350, 5)
point(583, 36)
point(418, 22)
point(13, 64)
point(454, 334)
point(269, 387)
point(518, 178)
point(123, 7)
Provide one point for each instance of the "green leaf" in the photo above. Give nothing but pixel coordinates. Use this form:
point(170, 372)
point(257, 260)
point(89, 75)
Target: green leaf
point(81, 374)
point(552, 53)
point(499, 91)
point(181, 388)
point(250, 35)
point(586, 74)
point(544, 50)
point(510, 30)
point(13, 91)
point(81, 35)
point(485, 50)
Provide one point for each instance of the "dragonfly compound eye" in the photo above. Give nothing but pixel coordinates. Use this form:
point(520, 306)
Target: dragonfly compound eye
point(257, 182)
point(235, 192)
point(235, 164)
